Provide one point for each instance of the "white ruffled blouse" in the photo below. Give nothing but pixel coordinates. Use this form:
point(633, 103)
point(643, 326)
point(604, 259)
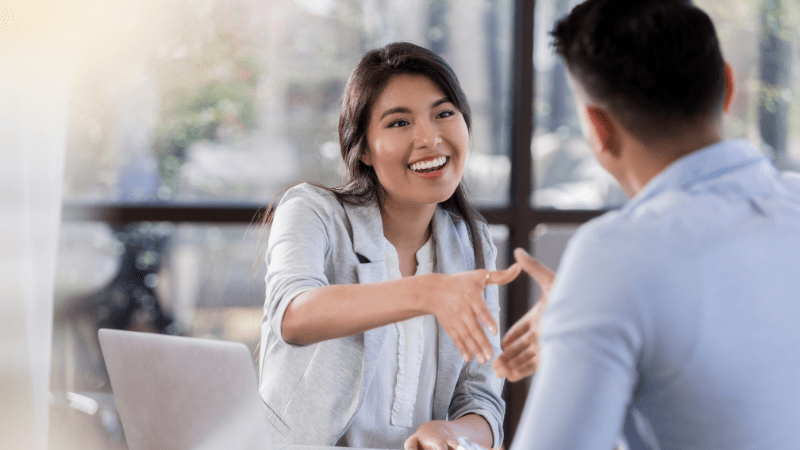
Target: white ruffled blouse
point(400, 397)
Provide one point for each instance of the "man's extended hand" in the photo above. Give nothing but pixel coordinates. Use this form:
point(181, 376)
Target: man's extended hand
point(521, 343)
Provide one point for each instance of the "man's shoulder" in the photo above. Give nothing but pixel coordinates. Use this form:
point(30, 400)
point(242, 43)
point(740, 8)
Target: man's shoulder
point(634, 235)
point(792, 182)
point(608, 227)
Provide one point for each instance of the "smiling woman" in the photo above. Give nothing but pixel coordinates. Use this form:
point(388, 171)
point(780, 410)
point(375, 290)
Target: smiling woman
point(378, 290)
point(417, 142)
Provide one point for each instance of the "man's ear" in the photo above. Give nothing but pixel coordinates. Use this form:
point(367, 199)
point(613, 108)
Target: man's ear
point(603, 130)
point(730, 87)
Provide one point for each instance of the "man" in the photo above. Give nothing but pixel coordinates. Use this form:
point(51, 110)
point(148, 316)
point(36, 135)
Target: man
point(679, 313)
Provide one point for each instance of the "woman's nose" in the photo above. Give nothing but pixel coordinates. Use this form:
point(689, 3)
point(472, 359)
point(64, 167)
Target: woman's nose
point(427, 134)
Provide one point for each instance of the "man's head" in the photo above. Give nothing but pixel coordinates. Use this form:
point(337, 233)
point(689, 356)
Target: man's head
point(655, 65)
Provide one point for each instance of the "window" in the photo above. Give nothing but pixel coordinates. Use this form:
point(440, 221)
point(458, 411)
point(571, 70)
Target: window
point(230, 101)
point(188, 116)
point(759, 41)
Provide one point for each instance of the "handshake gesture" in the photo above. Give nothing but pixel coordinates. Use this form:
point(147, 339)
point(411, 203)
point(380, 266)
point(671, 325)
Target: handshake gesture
point(521, 343)
point(461, 311)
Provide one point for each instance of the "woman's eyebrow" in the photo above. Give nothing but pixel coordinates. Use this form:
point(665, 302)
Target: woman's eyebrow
point(405, 110)
point(440, 101)
point(396, 110)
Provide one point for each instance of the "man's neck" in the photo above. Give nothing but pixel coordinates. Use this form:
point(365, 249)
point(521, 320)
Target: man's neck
point(644, 160)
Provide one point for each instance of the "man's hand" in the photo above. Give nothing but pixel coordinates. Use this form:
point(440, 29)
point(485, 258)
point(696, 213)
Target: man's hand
point(521, 343)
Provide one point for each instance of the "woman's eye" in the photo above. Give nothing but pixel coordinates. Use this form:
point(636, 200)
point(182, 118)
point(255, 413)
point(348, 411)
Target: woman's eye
point(445, 113)
point(398, 123)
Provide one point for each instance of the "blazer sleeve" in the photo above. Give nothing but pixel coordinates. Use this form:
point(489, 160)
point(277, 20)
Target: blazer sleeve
point(479, 390)
point(296, 252)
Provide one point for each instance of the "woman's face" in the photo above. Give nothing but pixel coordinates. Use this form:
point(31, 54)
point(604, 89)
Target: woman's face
point(417, 142)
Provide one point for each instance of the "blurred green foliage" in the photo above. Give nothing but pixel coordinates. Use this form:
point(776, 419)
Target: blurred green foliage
point(216, 111)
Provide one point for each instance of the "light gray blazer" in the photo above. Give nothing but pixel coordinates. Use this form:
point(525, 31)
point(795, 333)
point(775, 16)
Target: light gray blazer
point(313, 392)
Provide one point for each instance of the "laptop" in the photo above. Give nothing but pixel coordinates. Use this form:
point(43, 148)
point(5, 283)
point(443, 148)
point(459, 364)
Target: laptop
point(184, 393)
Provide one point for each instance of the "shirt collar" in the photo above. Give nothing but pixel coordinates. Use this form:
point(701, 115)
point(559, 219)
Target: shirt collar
point(699, 166)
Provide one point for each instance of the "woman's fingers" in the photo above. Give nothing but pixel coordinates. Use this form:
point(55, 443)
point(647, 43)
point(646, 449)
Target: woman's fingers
point(467, 344)
point(458, 341)
point(463, 312)
point(481, 311)
point(476, 340)
point(432, 435)
point(434, 444)
point(468, 336)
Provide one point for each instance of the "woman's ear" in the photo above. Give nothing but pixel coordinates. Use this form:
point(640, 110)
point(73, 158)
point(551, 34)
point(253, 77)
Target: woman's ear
point(730, 87)
point(365, 156)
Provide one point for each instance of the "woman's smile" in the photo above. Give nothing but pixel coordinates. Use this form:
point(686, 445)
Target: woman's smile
point(430, 168)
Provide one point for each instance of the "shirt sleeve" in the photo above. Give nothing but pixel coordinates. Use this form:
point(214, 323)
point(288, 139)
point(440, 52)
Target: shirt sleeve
point(479, 390)
point(295, 254)
point(591, 339)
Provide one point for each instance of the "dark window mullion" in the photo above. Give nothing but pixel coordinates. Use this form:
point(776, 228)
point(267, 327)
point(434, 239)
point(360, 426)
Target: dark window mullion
point(520, 219)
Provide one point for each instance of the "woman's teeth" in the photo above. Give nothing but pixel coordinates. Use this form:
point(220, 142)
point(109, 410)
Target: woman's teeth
point(428, 166)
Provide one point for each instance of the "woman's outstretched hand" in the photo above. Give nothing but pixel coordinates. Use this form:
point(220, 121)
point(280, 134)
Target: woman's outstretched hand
point(458, 304)
point(520, 345)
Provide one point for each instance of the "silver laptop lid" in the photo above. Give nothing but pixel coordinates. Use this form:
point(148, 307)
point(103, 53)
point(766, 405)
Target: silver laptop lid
point(184, 393)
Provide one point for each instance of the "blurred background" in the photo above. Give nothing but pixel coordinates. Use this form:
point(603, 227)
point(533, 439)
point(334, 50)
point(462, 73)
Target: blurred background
point(187, 117)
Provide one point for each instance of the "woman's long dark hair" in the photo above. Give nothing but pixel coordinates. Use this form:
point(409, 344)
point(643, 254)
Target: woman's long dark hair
point(366, 83)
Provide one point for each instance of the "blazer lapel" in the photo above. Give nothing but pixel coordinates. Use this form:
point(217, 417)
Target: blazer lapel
point(451, 257)
point(447, 372)
point(453, 252)
point(367, 238)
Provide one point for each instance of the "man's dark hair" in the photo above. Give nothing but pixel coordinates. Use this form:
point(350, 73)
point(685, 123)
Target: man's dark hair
point(656, 64)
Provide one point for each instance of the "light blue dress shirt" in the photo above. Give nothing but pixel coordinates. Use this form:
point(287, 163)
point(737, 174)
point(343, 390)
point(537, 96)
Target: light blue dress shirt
point(683, 307)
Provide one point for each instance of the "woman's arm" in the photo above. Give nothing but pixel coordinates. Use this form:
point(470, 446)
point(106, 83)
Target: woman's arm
point(335, 311)
point(303, 308)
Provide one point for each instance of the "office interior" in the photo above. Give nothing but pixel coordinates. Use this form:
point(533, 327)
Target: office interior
point(164, 129)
